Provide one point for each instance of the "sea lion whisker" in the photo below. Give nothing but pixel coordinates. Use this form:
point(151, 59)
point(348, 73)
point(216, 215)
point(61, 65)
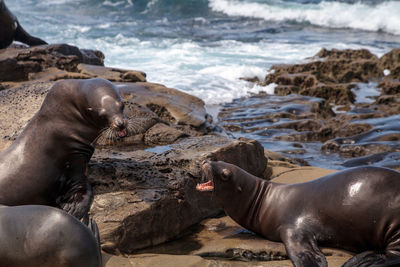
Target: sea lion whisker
point(104, 134)
point(103, 129)
point(110, 135)
point(136, 127)
point(59, 170)
point(100, 137)
point(113, 137)
point(107, 135)
point(132, 129)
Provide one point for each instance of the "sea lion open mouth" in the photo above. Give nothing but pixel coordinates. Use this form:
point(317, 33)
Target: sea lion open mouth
point(207, 175)
point(120, 127)
point(121, 133)
point(205, 187)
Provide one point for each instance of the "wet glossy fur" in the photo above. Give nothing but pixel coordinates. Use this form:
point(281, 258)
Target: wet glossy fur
point(11, 30)
point(356, 209)
point(44, 236)
point(47, 163)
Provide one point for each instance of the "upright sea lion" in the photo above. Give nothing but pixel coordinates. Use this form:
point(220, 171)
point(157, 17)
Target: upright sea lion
point(34, 235)
point(356, 209)
point(47, 163)
point(11, 30)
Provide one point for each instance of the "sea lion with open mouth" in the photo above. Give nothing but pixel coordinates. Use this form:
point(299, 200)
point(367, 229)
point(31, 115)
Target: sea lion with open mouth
point(356, 209)
point(47, 163)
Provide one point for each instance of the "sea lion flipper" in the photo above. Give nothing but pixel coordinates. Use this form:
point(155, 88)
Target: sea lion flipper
point(76, 198)
point(302, 249)
point(22, 36)
point(372, 258)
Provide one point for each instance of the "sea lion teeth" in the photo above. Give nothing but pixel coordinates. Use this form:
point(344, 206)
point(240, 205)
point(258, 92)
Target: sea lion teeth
point(208, 186)
point(122, 133)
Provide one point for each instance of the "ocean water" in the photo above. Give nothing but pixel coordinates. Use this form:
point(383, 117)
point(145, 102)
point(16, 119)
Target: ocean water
point(203, 47)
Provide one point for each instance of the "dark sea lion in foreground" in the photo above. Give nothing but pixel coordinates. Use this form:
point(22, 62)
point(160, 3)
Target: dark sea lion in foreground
point(11, 30)
point(34, 235)
point(356, 209)
point(47, 163)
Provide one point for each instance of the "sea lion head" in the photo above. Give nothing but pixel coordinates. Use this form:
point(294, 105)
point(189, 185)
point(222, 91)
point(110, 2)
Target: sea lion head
point(224, 179)
point(105, 106)
point(234, 188)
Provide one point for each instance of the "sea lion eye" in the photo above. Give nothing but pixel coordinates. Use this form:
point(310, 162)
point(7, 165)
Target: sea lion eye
point(226, 174)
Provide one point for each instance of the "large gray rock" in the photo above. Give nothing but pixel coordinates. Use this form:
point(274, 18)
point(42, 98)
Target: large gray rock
point(169, 104)
point(144, 198)
point(147, 104)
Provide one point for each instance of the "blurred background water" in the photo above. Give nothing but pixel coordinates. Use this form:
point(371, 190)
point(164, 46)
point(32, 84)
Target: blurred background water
point(203, 47)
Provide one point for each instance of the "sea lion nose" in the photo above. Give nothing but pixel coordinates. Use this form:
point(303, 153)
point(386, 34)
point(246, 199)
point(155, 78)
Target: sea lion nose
point(120, 123)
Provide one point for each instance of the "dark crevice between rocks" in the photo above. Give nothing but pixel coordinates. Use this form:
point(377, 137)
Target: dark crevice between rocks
point(238, 254)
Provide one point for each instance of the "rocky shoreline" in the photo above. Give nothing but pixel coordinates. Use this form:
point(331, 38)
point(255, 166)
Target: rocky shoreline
point(144, 184)
point(341, 105)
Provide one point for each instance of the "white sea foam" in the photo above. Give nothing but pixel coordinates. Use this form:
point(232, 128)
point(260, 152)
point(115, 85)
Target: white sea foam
point(381, 17)
point(208, 69)
point(210, 72)
point(104, 26)
point(52, 2)
point(114, 4)
point(81, 29)
point(149, 6)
